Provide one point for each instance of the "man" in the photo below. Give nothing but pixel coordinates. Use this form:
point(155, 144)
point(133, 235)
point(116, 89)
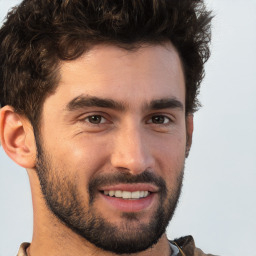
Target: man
point(97, 104)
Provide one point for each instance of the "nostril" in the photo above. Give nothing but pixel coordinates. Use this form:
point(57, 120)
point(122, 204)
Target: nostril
point(130, 152)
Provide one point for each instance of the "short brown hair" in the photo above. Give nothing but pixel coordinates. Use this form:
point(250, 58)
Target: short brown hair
point(38, 34)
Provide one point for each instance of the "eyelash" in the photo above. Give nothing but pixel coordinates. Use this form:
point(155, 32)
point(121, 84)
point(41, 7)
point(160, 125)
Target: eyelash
point(95, 116)
point(165, 119)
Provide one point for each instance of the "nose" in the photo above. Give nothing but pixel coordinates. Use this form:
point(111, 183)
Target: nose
point(132, 151)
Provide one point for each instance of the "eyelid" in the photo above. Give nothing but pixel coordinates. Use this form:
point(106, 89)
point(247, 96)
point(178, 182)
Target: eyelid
point(168, 116)
point(102, 118)
point(85, 116)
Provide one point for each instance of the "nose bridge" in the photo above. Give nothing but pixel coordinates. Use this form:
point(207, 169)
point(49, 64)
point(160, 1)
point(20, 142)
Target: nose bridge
point(131, 150)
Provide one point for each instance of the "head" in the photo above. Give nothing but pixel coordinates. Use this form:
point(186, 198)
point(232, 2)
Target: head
point(60, 58)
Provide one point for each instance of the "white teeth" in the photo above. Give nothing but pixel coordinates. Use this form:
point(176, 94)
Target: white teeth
point(142, 193)
point(118, 193)
point(136, 195)
point(111, 193)
point(126, 194)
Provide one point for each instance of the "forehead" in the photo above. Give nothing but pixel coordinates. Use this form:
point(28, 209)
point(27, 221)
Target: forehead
point(131, 76)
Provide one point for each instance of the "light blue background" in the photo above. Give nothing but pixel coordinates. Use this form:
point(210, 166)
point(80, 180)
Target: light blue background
point(218, 203)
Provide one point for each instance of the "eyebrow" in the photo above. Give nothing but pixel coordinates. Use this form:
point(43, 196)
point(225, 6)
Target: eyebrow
point(91, 101)
point(166, 103)
point(83, 101)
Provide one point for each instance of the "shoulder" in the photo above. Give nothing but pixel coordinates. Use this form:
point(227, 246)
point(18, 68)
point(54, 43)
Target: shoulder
point(187, 247)
point(22, 250)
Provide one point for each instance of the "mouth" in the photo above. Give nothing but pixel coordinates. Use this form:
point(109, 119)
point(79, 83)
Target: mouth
point(127, 195)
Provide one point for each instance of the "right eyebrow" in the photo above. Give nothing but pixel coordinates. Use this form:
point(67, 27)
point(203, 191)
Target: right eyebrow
point(171, 103)
point(83, 101)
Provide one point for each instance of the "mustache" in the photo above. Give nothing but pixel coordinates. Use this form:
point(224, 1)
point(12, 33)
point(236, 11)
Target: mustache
point(126, 178)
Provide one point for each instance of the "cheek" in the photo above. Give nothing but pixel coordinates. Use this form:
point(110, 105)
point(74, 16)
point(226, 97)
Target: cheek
point(84, 158)
point(170, 156)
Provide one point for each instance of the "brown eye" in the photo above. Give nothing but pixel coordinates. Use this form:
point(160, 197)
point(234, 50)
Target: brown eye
point(160, 120)
point(95, 119)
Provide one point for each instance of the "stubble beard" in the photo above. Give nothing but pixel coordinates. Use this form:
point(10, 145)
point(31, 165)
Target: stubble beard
point(130, 236)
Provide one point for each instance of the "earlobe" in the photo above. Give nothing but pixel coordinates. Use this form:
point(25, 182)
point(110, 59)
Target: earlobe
point(17, 137)
point(190, 128)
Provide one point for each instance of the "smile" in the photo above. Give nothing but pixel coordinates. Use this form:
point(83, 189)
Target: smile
point(133, 197)
point(126, 194)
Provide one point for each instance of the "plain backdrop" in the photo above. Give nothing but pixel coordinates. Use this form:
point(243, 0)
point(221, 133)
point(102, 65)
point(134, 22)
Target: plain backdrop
point(218, 203)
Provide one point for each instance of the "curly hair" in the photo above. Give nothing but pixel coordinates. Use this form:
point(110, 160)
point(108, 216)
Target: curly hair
point(38, 34)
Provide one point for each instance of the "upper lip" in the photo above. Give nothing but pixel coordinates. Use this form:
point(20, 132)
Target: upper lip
point(131, 187)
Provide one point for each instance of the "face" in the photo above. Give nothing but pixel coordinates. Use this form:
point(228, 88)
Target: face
point(112, 145)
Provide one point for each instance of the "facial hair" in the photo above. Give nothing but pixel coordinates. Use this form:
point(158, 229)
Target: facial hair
point(63, 199)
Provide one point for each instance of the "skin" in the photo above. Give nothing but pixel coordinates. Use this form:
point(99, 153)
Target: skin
point(127, 139)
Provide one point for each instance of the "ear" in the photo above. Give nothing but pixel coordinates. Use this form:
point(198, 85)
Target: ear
point(190, 128)
point(17, 137)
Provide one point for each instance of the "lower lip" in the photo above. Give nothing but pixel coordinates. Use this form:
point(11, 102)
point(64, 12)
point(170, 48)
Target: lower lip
point(129, 205)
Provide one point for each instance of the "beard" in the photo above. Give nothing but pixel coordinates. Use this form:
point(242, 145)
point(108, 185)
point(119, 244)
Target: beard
point(63, 199)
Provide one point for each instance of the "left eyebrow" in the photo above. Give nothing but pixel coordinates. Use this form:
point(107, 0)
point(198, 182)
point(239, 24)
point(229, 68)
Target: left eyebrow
point(171, 103)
